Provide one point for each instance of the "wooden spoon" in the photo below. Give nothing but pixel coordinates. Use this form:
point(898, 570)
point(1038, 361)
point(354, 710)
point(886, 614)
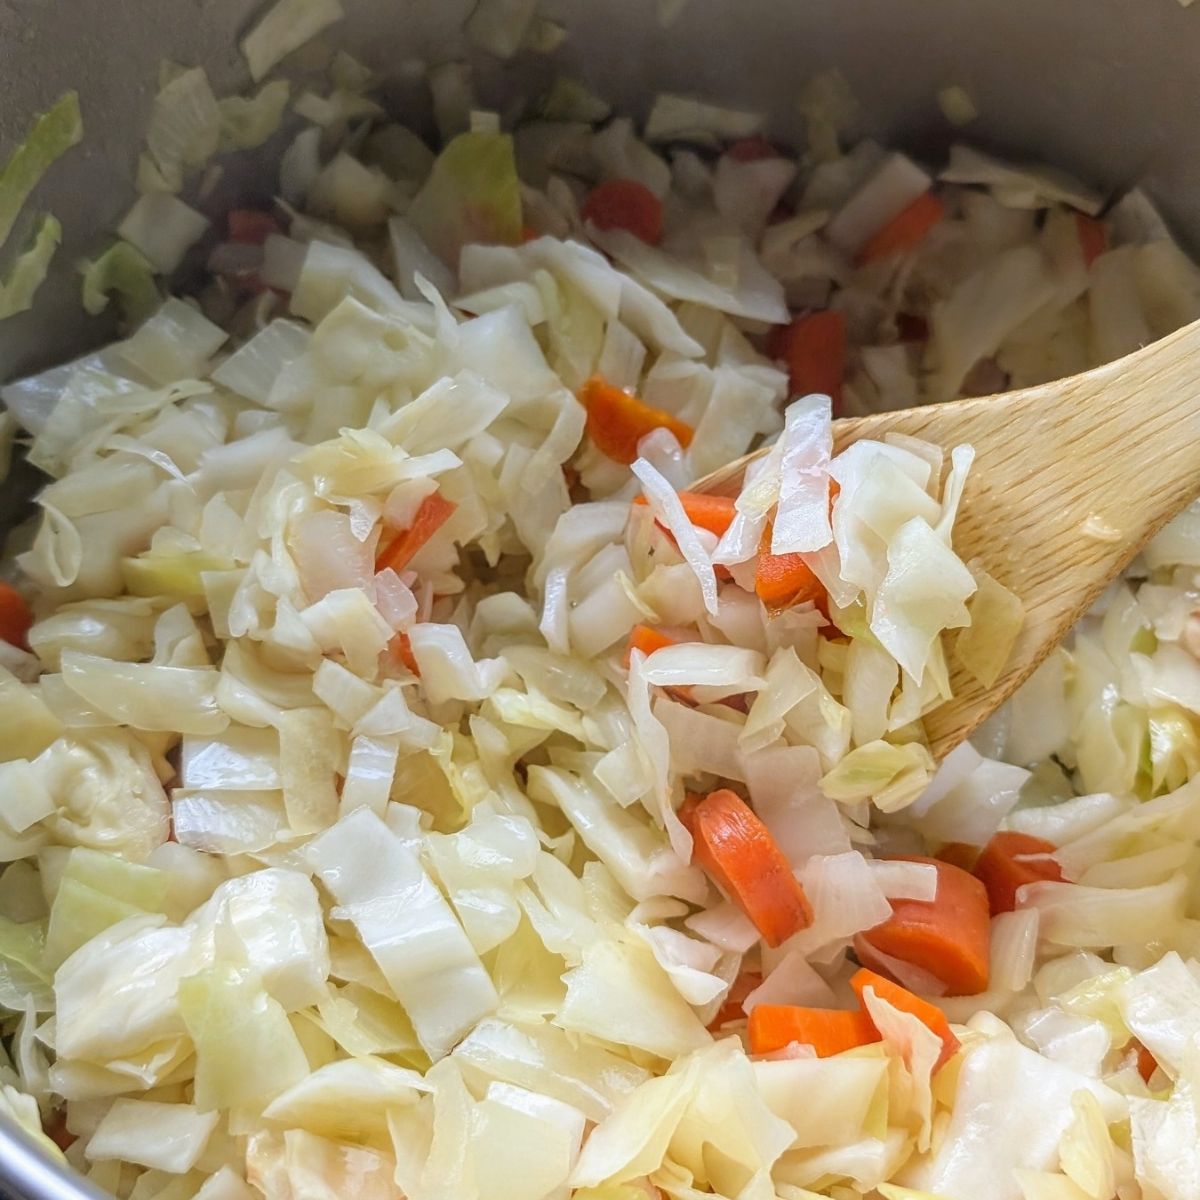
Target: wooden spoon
point(1070, 481)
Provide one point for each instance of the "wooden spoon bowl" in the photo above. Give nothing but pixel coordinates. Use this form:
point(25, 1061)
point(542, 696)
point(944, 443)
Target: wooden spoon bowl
point(1070, 481)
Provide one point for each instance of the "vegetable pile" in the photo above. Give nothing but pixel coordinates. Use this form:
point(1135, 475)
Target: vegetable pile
point(411, 788)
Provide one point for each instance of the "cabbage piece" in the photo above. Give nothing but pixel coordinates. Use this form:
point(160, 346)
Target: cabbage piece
point(996, 617)
point(29, 268)
point(849, 1088)
point(572, 100)
point(892, 187)
point(54, 132)
point(754, 294)
point(298, 1163)
point(802, 517)
point(166, 1137)
point(1011, 1109)
point(96, 891)
point(1032, 186)
point(892, 777)
point(1164, 1135)
point(347, 1099)
point(408, 927)
point(1075, 915)
point(1161, 1008)
point(184, 131)
point(176, 342)
point(116, 995)
point(286, 27)
point(472, 195)
point(980, 313)
point(253, 369)
point(248, 121)
point(620, 994)
point(682, 118)
point(162, 228)
point(175, 699)
point(923, 593)
point(548, 1060)
point(246, 1050)
point(499, 26)
point(276, 915)
point(124, 270)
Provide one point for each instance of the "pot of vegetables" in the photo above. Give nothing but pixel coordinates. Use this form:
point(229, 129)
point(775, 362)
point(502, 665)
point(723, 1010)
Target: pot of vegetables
point(408, 787)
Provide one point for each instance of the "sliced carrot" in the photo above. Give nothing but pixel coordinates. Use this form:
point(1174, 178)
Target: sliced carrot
point(752, 149)
point(15, 617)
point(647, 640)
point(625, 204)
point(782, 580)
point(433, 512)
point(1147, 1064)
point(714, 513)
point(731, 1009)
point(1003, 867)
point(529, 234)
point(744, 860)
point(251, 226)
point(827, 1030)
point(400, 650)
point(1093, 237)
point(814, 349)
point(905, 230)
point(900, 997)
point(617, 420)
point(959, 854)
point(947, 936)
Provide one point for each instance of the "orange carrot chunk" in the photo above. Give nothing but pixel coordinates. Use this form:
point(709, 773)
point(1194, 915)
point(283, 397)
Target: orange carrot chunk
point(252, 226)
point(1147, 1064)
point(948, 936)
point(15, 617)
point(433, 512)
point(900, 997)
point(617, 420)
point(714, 513)
point(905, 230)
point(752, 149)
point(400, 650)
point(1093, 238)
point(782, 580)
point(959, 854)
point(1003, 867)
point(732, 1009)
point(827, 1030)
point(625, 204)
point(813, 348)
point(744, 860)
point(647, 640)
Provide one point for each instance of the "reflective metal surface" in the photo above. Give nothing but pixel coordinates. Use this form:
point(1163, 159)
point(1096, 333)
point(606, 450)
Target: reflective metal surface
point(1105, 88)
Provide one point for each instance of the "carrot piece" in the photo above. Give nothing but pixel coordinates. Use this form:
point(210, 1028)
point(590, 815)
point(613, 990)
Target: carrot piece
point(827, 1030)
point(782, 580)
point(959, 854)
point(732, 1009)
point(434, 511)
point(400, 650)
point(647, 640)
point(15, 617)
point(1003, 867)
point(617, 420)
point(529, 234)
point(714, 513)
point(900, 997)
point(251, 226)
point(814, 349)
point(1093, 237)
point(1147, 1064)
point(751, 149)
point(905, 230)
point(744, 860)
point(947, 936)
point(625, 204)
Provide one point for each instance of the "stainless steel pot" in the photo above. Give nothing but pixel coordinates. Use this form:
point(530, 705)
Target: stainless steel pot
point(1105, 88)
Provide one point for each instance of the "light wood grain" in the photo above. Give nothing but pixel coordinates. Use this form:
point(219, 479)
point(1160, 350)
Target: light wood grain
point(1070, 481)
